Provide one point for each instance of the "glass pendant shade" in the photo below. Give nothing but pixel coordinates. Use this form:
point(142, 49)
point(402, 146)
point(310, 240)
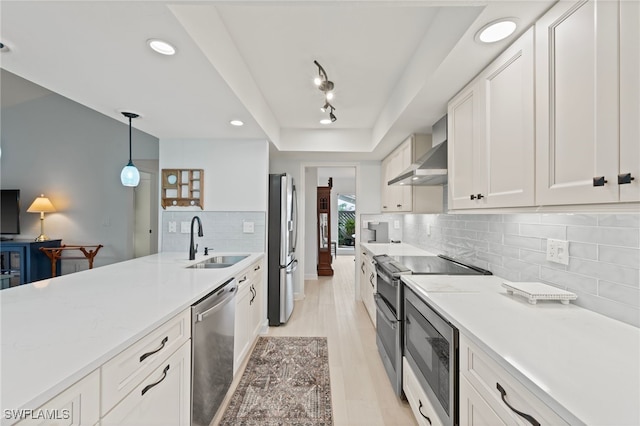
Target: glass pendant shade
point(130, 175)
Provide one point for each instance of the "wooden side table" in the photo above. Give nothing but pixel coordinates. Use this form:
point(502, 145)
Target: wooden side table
point(55, 254)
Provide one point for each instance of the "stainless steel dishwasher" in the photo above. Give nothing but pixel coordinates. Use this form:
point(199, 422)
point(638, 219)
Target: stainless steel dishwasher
point(212, 326)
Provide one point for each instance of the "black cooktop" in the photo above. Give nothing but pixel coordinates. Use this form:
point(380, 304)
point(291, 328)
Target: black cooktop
point(427, 265)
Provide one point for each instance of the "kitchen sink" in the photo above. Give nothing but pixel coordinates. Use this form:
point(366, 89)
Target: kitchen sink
point(217, 262)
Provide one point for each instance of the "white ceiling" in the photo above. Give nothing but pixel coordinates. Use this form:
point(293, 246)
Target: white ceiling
point(395, 64)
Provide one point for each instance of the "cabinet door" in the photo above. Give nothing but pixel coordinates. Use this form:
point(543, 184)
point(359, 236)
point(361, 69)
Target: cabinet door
point(78, 405)
point(163, 398)
point(465, 146)
point(404, 202)
point(577, 103)
point(630, 98)
point(506, 178)
point(242, 326)
point(474, 410)
point(385, 190)
point(256, 304)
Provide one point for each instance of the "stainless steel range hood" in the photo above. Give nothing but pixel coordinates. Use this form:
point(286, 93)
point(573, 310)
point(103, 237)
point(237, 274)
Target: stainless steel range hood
point(431, 168)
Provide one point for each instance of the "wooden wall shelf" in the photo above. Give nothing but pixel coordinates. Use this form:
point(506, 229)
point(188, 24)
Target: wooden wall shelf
point(182, 188)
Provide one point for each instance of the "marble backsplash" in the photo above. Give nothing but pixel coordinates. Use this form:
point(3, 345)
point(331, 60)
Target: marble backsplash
point(223, 231)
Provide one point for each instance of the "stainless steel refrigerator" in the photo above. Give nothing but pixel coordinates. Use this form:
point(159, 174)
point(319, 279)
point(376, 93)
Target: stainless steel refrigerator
point(281, 256)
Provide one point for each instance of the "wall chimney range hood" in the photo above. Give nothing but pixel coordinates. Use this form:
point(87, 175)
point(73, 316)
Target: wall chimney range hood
point(431, 168)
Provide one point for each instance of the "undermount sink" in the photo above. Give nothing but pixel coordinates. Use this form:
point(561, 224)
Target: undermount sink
point(217, 262)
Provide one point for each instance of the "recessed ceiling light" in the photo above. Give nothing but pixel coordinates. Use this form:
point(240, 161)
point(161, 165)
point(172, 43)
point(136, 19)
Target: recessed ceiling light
point(497, 30)
point(161, 47)
point(236, 123)
point(325, 121)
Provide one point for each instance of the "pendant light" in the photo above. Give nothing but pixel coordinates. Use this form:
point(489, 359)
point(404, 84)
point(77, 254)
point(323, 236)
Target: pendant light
point(130, 175)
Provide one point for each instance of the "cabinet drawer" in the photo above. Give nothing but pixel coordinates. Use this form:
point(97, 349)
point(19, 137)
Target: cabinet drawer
point(420, 404)
point(161, 399)
point(244, 278)
point(78, 405)
point(128, 369)
point(484, 374)
point(255, 271)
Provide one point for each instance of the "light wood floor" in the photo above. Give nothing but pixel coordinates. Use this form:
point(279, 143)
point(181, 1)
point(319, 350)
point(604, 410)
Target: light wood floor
point(360, 389)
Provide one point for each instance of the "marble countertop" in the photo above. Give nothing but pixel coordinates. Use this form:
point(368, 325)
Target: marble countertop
point(56, 331)
point(395, 249)
point(583, 365)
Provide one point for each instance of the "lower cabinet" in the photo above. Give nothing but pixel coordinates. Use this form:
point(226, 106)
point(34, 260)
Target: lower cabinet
point(249, 312)
point(490, 395)
point(368, 280)
point(163, 398)
point(421, 407)
point(78, 405)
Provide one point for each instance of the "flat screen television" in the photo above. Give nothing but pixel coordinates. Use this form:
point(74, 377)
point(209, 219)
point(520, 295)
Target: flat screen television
point(9, 211)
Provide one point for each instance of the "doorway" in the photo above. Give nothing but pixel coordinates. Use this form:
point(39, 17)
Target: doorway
point(145, 223)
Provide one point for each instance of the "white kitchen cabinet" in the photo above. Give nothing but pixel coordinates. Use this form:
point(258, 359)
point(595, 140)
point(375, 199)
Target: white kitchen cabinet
point(407, 198)
point(491, 128)
point(420, 404)
point(248, 317)
point(474, 410)
point(128, 369)
point(368, 279)
point(163, 398)
point(486, 378)
point(77, 405)
point(630, 98)
point(587, 103)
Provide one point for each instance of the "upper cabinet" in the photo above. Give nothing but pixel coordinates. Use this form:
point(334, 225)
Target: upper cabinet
point(587, 95)
point(407, 198)
point(563, 129)
point(491, 142)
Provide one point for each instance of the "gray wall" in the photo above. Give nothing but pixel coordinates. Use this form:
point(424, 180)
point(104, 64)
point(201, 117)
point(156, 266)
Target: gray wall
point(74, 155)
point(604, 252)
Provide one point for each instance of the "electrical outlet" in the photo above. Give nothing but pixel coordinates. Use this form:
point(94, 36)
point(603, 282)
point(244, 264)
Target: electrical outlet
point(558, 251)
point(185, 227)
point(428, 229)
point(396, 224)
point(247, 227)
point(172, 226)
point(365, 224)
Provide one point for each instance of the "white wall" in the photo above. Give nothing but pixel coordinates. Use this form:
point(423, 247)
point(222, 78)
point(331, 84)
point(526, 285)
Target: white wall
point(310, 223)
point(74, 156)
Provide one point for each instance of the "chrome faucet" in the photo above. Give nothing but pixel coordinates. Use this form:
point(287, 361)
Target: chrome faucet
point(194, 249)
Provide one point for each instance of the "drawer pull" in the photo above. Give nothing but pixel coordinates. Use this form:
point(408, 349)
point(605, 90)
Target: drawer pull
point(527, 417)
point(243, 279)
point(148, 354)
point(164, 376)
point(599, 181)
point(257, 268)
point(420, 410)
point(625, 178)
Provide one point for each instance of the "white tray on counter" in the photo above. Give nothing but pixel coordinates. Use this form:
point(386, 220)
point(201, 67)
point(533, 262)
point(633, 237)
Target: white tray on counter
point(535, 291)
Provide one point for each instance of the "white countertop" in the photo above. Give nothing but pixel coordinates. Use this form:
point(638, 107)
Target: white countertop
point(56, 331)
point(583, 365)
point(395, 249)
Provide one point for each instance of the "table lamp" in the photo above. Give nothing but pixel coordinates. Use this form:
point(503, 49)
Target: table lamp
point(41, 205)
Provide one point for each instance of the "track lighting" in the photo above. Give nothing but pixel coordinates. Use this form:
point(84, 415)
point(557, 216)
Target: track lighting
point(326, 86)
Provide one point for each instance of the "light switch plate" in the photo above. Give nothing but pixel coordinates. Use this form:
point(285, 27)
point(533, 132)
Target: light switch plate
point(184, 227)
point(172, 226)
point(558, 251)
point(396, 224)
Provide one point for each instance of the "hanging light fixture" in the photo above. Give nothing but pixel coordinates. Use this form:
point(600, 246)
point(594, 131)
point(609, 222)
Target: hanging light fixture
point(130, 175)
point(326, 86)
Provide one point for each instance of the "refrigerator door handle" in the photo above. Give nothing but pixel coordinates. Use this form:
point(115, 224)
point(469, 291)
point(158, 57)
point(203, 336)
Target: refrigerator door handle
point(292, 266)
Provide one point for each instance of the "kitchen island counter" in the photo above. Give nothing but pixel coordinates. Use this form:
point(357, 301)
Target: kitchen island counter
point(583, 365)
point(56, 331)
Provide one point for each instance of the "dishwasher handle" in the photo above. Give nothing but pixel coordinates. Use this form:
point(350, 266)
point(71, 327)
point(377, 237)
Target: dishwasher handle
point(230, 294)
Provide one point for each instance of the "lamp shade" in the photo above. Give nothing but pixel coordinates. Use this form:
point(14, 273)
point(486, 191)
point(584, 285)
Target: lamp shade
point(130, 176)
point(41, 205)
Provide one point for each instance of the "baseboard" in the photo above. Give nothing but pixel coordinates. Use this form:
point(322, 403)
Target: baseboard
point(310, 277)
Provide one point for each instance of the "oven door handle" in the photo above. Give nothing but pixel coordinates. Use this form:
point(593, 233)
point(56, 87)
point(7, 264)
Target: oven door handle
point(385, 312)
point(382, 274)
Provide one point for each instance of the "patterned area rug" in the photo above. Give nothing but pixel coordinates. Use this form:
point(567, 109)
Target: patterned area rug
point(286, 382)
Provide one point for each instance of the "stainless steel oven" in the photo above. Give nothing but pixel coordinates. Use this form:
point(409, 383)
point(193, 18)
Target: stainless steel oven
point(390, 304)
point(431, 349)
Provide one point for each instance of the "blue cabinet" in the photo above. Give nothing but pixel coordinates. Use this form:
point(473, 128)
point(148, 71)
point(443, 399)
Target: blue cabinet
point(22, 261)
